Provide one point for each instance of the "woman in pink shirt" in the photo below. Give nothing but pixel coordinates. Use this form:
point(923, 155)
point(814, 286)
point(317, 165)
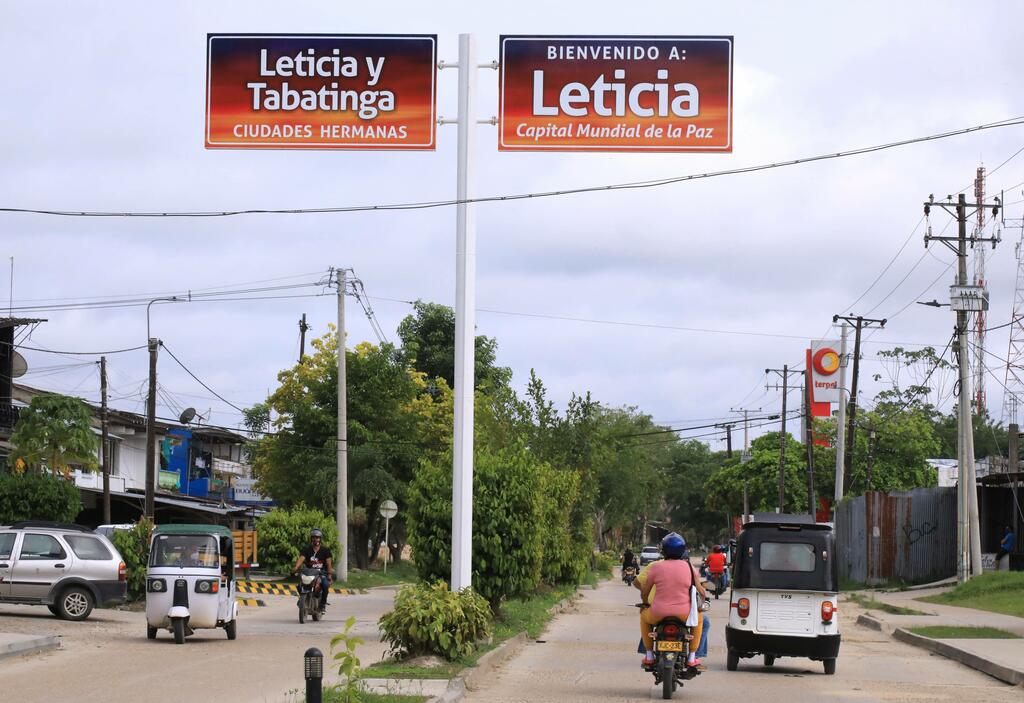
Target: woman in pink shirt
point(673, 577)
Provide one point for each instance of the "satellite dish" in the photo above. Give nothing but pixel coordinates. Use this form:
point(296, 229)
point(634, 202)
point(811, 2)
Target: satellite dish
point(19, 367)
point(187, 415)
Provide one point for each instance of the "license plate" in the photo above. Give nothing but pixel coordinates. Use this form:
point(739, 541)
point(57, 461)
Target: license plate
point(668, 646)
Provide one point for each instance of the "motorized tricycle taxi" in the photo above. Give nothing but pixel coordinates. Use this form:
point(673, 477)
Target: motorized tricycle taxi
point(190, 584)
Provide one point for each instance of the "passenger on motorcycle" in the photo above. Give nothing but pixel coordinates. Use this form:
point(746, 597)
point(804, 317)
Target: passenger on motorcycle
point(316, 556)
point(673, 577)
point(716, 564)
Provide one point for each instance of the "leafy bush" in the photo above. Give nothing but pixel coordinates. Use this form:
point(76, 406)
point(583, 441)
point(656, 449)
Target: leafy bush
point(564, 557)
point(37, 497)
point(605, 561)
point(282, 533)
point(430, 619)
point(134, 547)
point(507, 549)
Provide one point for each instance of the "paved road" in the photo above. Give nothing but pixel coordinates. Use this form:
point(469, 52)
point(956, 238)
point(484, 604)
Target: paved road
point(108, 658)
point(588, 655)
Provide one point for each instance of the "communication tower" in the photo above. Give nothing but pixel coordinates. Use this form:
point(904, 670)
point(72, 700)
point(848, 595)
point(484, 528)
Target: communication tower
point(979, 280)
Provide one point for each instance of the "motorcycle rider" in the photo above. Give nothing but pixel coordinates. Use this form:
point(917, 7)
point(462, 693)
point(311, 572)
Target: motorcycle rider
point(628, 560)
point(317, 556)
point(716, 565)
point(673, 577)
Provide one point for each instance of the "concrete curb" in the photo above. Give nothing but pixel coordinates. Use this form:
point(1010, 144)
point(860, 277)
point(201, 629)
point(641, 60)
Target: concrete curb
point(29, 646)
point(873, 623)
point(998, 671)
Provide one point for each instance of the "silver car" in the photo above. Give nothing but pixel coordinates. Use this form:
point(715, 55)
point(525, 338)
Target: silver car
point(67, 568)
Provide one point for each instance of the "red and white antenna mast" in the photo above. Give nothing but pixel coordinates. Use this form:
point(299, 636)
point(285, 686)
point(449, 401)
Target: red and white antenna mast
point(979, 280)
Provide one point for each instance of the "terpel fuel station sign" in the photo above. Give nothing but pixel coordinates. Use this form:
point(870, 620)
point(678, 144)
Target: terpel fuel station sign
point(337, 91)
point(616, 93)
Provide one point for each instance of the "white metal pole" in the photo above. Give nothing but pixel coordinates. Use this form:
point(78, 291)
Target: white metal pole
point(465, 316)
point(387, 542)
point(963, 429)
point(971, 484)
point(841, 419)
point(342, 492)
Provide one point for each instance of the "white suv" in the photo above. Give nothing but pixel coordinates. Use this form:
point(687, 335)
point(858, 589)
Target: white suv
point(67, 568)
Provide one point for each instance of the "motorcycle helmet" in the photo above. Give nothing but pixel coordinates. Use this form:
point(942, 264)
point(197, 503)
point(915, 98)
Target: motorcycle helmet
point(673, 546)
point(717, 549)
point(316, 533)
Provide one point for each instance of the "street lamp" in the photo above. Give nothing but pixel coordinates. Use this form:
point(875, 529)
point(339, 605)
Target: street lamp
point(172, 299)
point(153, 346)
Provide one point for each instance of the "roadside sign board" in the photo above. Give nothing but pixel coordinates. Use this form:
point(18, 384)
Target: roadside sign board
point(388, 509)
point(605, 93)
point(244, 491)
point(824, 362)
point(321, 91)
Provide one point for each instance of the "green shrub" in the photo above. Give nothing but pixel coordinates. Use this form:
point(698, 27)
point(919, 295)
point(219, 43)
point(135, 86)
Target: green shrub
point(134, 547)
point(282, 533)
point(33, 496)
point(507, 511)
point(605, 561)
point(430, 619)
point(564, 561)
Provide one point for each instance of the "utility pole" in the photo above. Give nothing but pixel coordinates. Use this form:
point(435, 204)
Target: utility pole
point(303, 327)
point(104, 440)
point(154, 345)
point(784, 374)
point(728, 441)
point(859, 323)
point(809, 423)
point(964, 299)
point(745, 456)
point(342, 491)
point(1013, 451)
point(841, 420)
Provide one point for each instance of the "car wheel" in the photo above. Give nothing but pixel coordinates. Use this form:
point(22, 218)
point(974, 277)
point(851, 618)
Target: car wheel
point(830, 666)
point(732, 660)
point(75, 603)
point(232, 629)
point(150, 633)
point(769, 659)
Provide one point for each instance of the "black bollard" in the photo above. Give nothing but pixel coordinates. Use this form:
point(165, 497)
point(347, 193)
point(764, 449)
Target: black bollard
point(313, 668)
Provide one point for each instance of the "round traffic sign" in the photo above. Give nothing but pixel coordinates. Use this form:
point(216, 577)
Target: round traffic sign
point(388, 509)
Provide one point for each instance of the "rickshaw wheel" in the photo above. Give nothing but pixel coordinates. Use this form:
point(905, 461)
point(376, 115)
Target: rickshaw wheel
point(150, 633)
point(179, 630)
point(830, 666)
point(769, 659)
point(732, 660)
point(232, 629)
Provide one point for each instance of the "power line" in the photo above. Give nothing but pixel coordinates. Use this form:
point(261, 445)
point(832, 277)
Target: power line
point(422, 205)
point(888, 265)
point(79, 353)
point(189, 372)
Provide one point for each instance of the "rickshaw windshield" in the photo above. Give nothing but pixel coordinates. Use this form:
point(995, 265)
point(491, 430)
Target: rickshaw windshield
point(185, 550)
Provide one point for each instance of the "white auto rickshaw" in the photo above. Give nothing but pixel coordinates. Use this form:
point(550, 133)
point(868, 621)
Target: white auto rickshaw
point(190, 584)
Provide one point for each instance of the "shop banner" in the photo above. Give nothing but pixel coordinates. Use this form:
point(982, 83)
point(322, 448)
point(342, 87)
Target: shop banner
point(320, 91)
point(615, 93)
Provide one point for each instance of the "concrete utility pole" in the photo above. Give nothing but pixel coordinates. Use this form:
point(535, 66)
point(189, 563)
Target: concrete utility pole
point(964, 299)
point(859, 323)
point(841, 420)
point(784, 374)
point(104, 441)
point(342, 492)
point(809, 444)
point(154, 345)
point(303, 328)
point(745, 457)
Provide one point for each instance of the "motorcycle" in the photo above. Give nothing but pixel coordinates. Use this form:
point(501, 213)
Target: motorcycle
point(713, 583)
point(672, 642)
point(309, 594)
point(629, 575)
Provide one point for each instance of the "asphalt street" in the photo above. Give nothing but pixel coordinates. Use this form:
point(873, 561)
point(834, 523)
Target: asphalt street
point(108, 658)
point(589, 654)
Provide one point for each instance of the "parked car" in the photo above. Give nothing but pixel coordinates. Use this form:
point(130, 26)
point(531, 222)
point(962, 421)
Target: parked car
point(649, 554)
point(68, 568)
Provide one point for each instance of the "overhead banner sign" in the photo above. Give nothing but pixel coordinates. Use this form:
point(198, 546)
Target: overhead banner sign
point(615, 94)
point(320, 91)
point(823, 360)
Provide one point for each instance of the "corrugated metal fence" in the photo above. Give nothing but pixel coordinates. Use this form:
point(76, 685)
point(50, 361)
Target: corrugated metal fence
point(907, 535)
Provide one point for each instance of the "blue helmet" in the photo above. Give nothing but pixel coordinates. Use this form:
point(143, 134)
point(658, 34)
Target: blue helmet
point(673, 546)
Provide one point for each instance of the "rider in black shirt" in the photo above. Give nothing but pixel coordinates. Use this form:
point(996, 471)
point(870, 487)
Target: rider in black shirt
point(316, 556)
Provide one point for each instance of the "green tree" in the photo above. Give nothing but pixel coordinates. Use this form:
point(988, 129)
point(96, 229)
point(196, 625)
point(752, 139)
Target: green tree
point(428, 338)
point(37, 496)
point(761, 476)
point(54, 432)
point(692, 464)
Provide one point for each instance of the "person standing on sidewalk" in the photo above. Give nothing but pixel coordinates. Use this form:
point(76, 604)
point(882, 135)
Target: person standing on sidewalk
point(1006, 545)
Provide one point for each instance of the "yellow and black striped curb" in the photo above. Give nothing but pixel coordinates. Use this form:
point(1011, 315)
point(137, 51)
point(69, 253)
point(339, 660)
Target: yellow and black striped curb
point(251, 602)
point(286, 589)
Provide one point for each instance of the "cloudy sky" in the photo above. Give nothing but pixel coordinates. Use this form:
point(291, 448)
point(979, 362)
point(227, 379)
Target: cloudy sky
point(103, 109)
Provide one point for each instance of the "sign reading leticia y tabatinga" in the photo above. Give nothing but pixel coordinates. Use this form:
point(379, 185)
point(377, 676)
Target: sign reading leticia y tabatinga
point(616, 93)
point(320, 91)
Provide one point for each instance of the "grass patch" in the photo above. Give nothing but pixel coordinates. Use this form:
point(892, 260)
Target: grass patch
point(515, 616)
point(874, 604)
point(997, 593)
point(951, 632)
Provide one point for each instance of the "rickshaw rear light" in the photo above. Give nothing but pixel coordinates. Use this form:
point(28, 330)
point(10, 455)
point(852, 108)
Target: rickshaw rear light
point(827, 611)
point(122, 572)
point(743, 607)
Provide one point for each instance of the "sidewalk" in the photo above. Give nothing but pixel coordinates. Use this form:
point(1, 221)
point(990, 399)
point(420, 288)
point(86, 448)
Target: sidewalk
point(15, 645)
point(1000, 658)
